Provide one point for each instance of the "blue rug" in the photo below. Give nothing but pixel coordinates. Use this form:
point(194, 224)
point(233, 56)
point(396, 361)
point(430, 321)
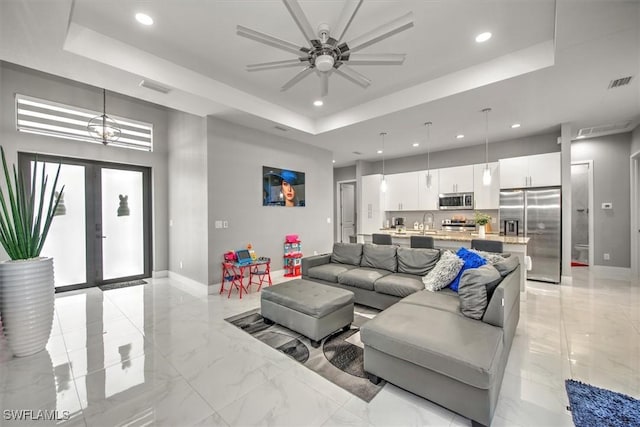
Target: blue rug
point(593, 406)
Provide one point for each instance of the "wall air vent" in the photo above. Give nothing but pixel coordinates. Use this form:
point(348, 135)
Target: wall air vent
point(281, 128)
point(149, 84)
point(605, 129)
point(622, 81)
point(357, 153)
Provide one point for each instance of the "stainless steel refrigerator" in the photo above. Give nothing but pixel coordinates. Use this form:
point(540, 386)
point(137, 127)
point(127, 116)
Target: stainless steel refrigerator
point(535, 213)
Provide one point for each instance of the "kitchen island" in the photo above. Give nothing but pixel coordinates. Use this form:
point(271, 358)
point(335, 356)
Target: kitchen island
point(456, 239)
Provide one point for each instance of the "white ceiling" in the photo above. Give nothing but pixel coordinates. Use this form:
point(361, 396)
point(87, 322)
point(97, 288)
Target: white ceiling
point(549, 62)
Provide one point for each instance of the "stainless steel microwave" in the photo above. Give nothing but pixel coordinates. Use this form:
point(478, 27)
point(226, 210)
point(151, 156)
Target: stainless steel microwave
point(456, 201)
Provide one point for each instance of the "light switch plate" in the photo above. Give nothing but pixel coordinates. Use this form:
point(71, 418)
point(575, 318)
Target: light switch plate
point(218, 224)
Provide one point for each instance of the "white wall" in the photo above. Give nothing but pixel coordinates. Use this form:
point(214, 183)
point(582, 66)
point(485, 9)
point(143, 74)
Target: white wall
point(235, 157)
point(635, 140)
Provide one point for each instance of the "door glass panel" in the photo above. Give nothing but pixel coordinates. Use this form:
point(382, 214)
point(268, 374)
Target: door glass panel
point(122, 224)
point(66, 241)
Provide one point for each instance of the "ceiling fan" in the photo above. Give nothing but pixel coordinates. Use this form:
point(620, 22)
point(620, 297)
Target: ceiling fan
point(327, 52)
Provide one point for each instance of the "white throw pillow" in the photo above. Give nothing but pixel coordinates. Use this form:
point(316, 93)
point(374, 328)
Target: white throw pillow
point(444, 272)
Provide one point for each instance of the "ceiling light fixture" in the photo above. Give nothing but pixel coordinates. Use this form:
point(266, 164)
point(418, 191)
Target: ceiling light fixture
point(428, 125)
point(483, 37)
point(459, 136)
point(416, 144)
point(103, 128)
point(379, 151)
point(383, 184)
point(144, 19)
point(486, 175)
point(318, 103)
point(515, 126)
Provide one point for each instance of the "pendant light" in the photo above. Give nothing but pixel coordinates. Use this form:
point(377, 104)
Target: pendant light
point(428, 125)
point(103, 128)
point(383, 184)
point(486, 175)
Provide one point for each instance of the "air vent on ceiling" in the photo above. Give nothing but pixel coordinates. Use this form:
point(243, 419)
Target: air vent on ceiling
point(605, 129)
point(357, 153)
point(622, 81)
point(281, 128)
point(149, 84)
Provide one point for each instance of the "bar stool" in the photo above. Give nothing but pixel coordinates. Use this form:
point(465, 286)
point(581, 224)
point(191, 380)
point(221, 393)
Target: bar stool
point(425, 242)
point(261, 276)
point(486, 245)
point(381, 239)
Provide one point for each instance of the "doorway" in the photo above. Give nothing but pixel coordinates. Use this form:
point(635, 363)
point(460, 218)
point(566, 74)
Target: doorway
point(582, 215)
point(101, 230)
point(347, 232)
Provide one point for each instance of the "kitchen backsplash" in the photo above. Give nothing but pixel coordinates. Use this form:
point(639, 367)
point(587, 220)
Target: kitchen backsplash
point(438, 216)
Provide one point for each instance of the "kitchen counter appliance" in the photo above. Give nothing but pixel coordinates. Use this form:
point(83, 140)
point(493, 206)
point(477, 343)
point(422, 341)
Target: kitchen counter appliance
point(455, 201)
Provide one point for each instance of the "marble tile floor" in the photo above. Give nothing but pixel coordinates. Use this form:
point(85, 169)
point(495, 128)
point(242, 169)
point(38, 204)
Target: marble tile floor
point(160, 355)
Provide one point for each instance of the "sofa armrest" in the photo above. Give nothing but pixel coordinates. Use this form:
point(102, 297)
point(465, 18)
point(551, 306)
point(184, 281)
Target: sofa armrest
point(505, 298)
point(313, 261)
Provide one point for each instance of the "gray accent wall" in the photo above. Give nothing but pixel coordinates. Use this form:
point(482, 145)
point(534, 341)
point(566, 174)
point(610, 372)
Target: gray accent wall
point(188, 224)
point(610, 155)
point(235, 157)
point(15, 79)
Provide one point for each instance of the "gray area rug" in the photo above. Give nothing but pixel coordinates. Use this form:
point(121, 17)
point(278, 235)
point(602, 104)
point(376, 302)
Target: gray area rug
point(338, 359)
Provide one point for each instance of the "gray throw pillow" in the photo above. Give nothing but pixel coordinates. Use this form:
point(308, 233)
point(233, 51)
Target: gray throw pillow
point(380, 256)
point(491, 257)
point(476, 286)
point(347, 253)
point(417, 261)
point(508, 265)
point(446, 269)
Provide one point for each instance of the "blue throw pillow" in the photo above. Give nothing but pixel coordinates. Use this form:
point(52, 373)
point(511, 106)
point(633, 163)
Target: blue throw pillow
point(471, 260)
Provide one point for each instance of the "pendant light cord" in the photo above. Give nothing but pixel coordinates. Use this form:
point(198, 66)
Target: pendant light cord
point(428, 125)
point(486, 136)
point(382, 134)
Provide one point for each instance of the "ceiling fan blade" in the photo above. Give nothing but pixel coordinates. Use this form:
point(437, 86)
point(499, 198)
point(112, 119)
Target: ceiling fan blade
point(324, 83)
point(380, 33)
point(352, 75)
point(346, 16)
point(276, 64)
point(376, 59)
point(269, 40)
point(301, 75)
point(301, 20)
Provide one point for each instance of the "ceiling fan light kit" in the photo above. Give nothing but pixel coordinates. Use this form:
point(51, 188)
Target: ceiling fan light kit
point(327, 52)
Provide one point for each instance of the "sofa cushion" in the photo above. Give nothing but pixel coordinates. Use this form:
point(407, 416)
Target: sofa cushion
point(399, 284)
point(471, 260)
point(446, 269)
point(379, 256)
point(508, 265)
point(453, 345)
point(329, 272)
point(363, 278)
point(445, 300)
point(491, 257)
point(417, 261)
point(347, 253)
point(475, 286)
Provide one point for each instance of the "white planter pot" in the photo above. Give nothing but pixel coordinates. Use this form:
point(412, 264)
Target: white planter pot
point(482, 231)
point(26, 304)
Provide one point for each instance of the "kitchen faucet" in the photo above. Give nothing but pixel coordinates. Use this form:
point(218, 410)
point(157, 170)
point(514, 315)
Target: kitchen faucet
point(424, 228)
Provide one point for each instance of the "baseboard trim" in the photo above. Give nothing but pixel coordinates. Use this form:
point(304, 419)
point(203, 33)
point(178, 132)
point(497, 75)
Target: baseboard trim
point(618, 273)
point(159, 274)
point(191, 286)
point(566, 280)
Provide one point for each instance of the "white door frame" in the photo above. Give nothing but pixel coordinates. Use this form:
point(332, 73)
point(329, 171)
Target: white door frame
point(634, 205)
point(590, 207)
point(338, 222)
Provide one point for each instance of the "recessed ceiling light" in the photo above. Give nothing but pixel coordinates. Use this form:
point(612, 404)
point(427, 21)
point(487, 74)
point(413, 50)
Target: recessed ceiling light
point(483, 37)
point(318, 103)
point(416, 144)
point(144, 19)
point(333, 161)
point(379, 151)
point(459, 136)
point(515, 125)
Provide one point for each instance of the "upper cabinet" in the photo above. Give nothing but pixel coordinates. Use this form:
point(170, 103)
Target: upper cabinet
point(458, 179)
point(371, 206)
point(486, 197)
point(402, 192)
point(428, 196)
point(541, 170)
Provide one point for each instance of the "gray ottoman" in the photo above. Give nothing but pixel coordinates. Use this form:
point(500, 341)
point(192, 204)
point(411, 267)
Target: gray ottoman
point(312, 309)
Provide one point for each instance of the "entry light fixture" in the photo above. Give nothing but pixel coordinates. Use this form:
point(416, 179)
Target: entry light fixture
point(486, 175)
point(103, 128)
point(383, 184)
point(428, 126)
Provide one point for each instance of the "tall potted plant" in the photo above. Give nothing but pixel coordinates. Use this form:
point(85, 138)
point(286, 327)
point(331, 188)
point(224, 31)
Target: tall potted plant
point(26, 281)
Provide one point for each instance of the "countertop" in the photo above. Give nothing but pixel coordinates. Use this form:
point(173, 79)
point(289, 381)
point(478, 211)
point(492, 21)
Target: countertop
point(455, 236)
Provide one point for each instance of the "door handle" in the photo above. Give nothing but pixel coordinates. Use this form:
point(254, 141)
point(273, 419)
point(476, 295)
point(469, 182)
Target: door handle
point(100, 236)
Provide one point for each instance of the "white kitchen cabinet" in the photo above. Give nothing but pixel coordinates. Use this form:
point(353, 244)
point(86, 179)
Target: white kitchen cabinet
point(428, 197)
point(458, 179)
point(486, 197)
point(402, 192)
point(371, 205)
point(540, 170)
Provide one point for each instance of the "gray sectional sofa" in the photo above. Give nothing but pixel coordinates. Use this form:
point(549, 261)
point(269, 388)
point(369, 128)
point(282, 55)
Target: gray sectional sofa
point(422, 341)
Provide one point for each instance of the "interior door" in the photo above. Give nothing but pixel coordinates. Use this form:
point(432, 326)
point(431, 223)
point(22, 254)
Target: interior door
point(347, 211)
